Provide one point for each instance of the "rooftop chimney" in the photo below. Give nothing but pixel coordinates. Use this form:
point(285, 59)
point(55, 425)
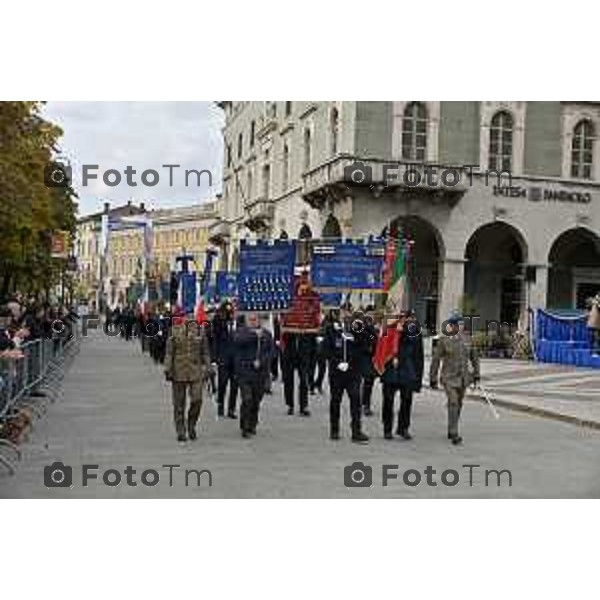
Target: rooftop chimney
point(106, 207)
point(142, 207)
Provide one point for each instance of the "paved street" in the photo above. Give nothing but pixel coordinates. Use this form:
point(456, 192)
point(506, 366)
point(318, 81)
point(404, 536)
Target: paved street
point(560, 389)
point(115, 412)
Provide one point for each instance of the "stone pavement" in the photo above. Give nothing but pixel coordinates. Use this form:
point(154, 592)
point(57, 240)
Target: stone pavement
point(557, 391)
point(116, 411)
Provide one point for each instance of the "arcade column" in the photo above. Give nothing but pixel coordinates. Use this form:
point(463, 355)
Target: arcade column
point(536, 286)
point(451, 288)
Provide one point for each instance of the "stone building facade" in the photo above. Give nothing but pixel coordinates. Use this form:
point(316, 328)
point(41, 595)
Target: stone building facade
point(175, 231)
point(489, 244)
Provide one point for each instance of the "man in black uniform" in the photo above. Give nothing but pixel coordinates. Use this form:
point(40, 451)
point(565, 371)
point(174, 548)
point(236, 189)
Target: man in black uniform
point(223, 353)
point(343, 349)
point(298, 350)
point(369, 374)
point(253, 351)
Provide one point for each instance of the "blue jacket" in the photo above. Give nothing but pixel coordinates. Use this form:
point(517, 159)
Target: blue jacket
point(409, 372)
point(249, 348)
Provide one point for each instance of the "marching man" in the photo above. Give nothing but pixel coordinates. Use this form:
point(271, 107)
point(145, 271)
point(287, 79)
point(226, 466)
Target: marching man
point(253, 352)
point(343, 349)
point(187, 365)
point(453, 352)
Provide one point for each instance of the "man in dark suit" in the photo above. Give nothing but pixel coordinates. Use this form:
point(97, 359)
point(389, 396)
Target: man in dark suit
point(403, 373)
point(223, 328)
point(298, 351)
point(253, 352)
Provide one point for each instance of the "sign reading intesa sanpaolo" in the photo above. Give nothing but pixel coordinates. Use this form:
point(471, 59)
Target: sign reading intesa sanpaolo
point(537, 194)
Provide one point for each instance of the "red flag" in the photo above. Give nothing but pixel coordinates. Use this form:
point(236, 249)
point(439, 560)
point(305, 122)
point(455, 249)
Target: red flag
point(201, 314)
point(387, 347)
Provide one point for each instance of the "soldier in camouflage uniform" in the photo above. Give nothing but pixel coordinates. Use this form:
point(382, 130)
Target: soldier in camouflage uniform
point(454, 352)
point(187, 365)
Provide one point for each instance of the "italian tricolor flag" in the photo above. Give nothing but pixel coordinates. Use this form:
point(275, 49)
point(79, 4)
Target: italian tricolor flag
point(395, 285)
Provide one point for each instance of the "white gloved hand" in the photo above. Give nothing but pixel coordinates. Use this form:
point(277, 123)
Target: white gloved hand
point(343, 367)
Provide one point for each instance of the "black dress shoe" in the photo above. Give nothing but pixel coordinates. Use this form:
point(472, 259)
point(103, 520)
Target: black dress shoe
point(406, 435)
point(388, 435)
point(231, 415)
point(290, 411)
point(305, 412)
point(456, 440)
point(246, 434)
point(192, 434)
point(360, 438)
point(182, 438)
point(450, 436)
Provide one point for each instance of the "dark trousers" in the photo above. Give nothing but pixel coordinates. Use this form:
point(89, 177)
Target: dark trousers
point(180, 390)
point(252, 394)
point(338, 384)
point(227, 375)
point(275, 365)
point(161, 348)
point(367, 390)
point(317, 373)
point(387, 412)
point(288, 367)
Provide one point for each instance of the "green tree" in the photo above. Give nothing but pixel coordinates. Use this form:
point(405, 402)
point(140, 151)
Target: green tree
point(29, 211)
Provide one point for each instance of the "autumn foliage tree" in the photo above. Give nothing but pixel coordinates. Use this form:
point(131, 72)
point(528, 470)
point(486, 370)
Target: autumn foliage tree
point(29, 211)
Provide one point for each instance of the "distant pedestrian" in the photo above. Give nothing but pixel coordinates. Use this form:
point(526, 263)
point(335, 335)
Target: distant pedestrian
point(593, 322)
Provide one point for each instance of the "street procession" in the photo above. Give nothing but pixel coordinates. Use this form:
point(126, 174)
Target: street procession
point(317, 282)
point(229, 340)
point(269, 308)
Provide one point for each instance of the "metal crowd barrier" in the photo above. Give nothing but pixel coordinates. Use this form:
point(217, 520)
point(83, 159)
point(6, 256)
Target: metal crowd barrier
point(32, 381)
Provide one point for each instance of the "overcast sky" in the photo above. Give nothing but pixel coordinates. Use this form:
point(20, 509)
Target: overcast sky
point(144, 135)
